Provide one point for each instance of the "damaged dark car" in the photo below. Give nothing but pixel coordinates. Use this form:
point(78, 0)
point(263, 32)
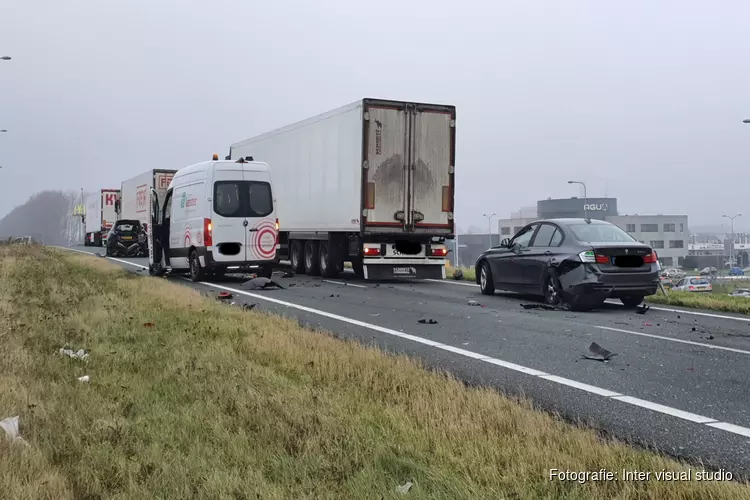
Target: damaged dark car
point(127, 239)
point(578, 262)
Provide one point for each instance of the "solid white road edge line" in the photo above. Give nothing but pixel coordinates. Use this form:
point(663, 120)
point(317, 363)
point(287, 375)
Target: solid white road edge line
point(672, 339)
point(343, 283)
point(666, 410)
point(655, 308)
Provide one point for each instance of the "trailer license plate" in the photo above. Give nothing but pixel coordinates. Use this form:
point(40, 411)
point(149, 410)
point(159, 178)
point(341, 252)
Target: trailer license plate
point(404, 271)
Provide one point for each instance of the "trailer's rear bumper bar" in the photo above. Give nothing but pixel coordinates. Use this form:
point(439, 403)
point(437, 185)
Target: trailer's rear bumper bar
point(384, 269)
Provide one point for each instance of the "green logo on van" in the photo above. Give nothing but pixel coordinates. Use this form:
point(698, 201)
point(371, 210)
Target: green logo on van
point(182, 201)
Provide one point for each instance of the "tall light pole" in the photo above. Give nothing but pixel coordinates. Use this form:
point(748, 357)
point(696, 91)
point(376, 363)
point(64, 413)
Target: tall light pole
point(731, 246)
point(585, 197)
point(489, 224)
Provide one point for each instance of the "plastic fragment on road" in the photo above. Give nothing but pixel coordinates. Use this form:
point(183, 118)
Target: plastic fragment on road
point(458, 274)
point(474, 303)
point(404, 489)
point(224, 296)
point(261, 284)
point(545, 307)
point(79, 354)
point(288, 274)
point(427, 321)
point(598, 353)
point(84, 379)
point(642, 308)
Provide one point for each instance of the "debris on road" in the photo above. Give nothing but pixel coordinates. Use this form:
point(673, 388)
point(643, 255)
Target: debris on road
point(474, 303)
point(224, 296)
point(404, 489)
point(545, 307)
point(84, 379)
point(288, 274)
point(647, 324)
point(262, 284)
point(79, 354)
point(458, 274)
point(374, 314)
point(598, 353)
point(334, 295)
point(427, 321)
point(642, 308)
point(98, 254)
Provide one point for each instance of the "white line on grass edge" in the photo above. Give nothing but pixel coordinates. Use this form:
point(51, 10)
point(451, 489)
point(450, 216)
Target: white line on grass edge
point(655, 308)
point(667, 410)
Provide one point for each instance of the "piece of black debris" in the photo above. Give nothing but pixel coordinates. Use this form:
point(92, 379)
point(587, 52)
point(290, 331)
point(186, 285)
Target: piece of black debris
point(694, 329)
point(474, 303)
point(334, 295)
point(427, 321)
point(288, 274)
point(678, 316)
point(642, 308)
point(99, 255)
point(248, 307)
point(546, 307)
point(711, 337)
point(262, 284)
point(598, 353)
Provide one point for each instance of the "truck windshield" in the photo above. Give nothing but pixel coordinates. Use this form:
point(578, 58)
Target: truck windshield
point(243, 199)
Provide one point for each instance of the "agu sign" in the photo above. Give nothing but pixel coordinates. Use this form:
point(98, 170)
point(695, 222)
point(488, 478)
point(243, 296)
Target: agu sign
point(596, 207)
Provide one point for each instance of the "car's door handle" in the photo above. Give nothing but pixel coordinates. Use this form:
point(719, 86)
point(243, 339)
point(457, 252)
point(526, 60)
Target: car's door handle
point(547, 253)
point(255, 229)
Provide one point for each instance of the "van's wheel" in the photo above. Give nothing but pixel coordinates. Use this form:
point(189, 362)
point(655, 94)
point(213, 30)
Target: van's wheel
point(296, 256)
point(312, 259)
point(328, 261)
point(197, 273)
point(486, 283)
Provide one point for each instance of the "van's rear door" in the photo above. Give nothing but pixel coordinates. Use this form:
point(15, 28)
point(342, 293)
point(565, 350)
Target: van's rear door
point(260, 235)
point(385, 176)
point(228, 221)
point(432, 139)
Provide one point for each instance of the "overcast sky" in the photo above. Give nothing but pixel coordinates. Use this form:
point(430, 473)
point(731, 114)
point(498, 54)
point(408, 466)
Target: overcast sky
point(644, 100)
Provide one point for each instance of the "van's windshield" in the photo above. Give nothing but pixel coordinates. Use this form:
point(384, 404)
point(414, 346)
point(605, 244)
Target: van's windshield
point(243, 199)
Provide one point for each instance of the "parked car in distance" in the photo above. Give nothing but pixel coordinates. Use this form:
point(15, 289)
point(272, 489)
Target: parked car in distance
point(666, 282)
point(741, 292)
point(581, 262)
point(126, 239)
point(673, 273)
point(736, 271)
point(694, 284)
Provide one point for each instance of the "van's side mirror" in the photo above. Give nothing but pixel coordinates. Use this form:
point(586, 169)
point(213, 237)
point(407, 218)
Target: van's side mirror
point(505, 243)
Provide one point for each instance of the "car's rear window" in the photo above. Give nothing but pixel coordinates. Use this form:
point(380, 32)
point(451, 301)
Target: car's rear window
point(600, 233)
point(243, 199)
point(698, 281)
point(125, 228)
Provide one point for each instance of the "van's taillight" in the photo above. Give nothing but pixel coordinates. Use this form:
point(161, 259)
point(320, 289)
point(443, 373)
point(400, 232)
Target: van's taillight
point(277, 223)
point(370, 251)
point(650, 258)
point(278, 239)
point(439, 252)
point(207, 233)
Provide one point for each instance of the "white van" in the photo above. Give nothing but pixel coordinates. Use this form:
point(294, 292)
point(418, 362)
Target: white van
point(216, 216)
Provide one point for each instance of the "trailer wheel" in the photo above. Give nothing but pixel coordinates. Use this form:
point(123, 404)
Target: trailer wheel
point(328, 261)
point(312, 261)
point(296, 256)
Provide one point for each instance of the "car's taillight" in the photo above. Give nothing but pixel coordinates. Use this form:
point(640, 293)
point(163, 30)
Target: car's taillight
point(691, 288)
point(710, 287)
point(207, 233)
point(601, 259)
point(371, 251)
point(439, 252)
point(651, 258)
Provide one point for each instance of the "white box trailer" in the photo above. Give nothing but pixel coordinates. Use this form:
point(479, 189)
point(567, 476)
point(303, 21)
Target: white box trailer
point(100, 215)
point(371, 183)
point(135, 194)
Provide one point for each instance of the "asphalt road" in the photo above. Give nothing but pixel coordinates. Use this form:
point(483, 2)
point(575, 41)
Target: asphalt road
point(678, 383)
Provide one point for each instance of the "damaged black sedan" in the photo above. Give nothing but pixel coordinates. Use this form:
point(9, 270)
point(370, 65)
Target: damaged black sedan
point(580, 262)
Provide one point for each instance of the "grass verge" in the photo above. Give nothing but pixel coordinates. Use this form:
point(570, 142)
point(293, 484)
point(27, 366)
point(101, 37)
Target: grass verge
point(190, 398)
point(718, 300)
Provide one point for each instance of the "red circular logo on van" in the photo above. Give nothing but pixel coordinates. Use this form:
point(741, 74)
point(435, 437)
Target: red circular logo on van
point(265, 239)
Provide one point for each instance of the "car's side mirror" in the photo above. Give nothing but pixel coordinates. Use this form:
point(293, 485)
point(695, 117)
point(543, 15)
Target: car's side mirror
point(505, 242)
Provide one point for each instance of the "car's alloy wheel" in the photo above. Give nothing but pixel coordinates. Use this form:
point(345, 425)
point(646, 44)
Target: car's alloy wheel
point(486, 283)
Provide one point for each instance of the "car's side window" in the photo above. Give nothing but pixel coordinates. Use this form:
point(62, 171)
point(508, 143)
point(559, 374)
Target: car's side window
point(544, 235)
point(523, 238)
point(681, 282)
point(557, 238)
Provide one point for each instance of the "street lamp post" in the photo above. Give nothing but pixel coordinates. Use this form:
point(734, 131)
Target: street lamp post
point(731, 246)
point(585, 197)
point(489, 224)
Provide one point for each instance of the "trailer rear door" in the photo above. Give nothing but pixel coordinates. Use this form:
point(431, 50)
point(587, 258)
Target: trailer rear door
point(385, 175)
point(432, 141)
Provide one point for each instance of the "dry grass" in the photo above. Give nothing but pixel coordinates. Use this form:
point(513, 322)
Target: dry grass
point(214, 402)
